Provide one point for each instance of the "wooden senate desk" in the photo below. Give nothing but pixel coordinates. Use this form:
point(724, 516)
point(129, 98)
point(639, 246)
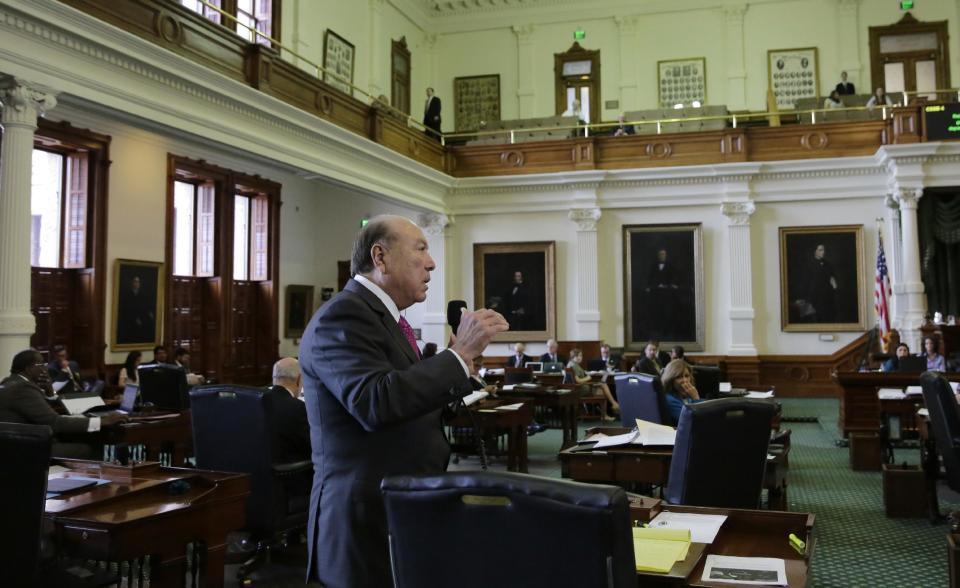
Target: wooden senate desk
point(861, 410)
point(149, 510)
point(651, 465)
point(168, 437)
point(561, 400)
point(745, 533)
point(491, 422)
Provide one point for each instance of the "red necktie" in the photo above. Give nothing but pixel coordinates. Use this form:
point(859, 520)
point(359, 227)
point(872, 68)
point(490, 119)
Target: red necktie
point(408, 333)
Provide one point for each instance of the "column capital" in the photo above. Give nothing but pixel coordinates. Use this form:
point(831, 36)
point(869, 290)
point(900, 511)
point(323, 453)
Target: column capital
point(523, 32)
point(23, 102)
point(908, 198)
point(434, 223)
point(733, 13)
point(738, 213)
point(586, 218)
point(627, 24)
point(430, 41)
point(848, 6)
point(890, 201)
point(377, 5)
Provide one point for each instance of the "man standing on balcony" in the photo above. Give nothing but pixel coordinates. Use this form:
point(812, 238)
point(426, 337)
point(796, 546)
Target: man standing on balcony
point(431, 114)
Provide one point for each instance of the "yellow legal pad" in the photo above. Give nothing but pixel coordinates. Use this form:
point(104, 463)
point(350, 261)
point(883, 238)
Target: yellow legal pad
point(656, 550)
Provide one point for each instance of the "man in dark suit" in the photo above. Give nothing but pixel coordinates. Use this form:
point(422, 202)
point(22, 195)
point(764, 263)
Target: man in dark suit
point(662, 288)
point(520, 305)
point(62, 369)
point(519, 359)
point(649, 363)
point(431, 113)
point(845, 88)
point(23, 399)
point(552, 355)
point(606, 362)
point(290, 426)
point(374, 407)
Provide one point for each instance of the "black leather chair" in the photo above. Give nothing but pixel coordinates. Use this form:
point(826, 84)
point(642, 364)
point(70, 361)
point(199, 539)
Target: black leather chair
point(233, 432)
point(640, 397)
point(707, 380)
point(164, 385)
point(517, 375)
point(944, 423)
point(721, 453)
point(483, 529)
point(25, 453)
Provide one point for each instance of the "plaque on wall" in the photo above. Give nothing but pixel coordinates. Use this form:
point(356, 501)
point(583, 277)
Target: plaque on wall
point(792, 75)
point(681, 81)
point(476, 100)
point(338, 61)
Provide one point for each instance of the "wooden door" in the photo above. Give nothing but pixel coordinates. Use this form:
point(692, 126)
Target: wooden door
point(909, 56)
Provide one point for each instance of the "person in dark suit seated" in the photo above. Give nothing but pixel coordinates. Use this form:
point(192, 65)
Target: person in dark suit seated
point(23, 399)
point(551, 355)
point(622, 129)
point(291, 430)
point(893, 364)
point(845, 88)
point(677, 352)
point(374, 406)
point(160, 354)
point(649, 363)
point(519, 359)
point(62, 368)
point(181, 359)
point(606, 362)
point(678, 388)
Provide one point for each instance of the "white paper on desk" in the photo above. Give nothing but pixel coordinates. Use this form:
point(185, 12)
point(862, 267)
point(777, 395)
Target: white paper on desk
point(58, 386)
point(725, 387)
point(745, 570)
point(614, 440)
point(508, 387)
point(955, 386)
point(495, 371)
point(81, 404)
point(890, 394)
point(914, 391)
point(923, 412)
point(475, 397)
point(654, 434)
point(55, 469)
point(703, 528)
point(594, 437)
point(509, 406)
point(761, 395)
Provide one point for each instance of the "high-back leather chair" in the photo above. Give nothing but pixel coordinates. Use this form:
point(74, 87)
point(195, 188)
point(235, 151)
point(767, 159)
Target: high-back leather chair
point(233, 431)
point(503, 529)
point(706, 378)
point(640, 397)
point(944, 423)
point(721, 453)
point(25, 453)
point(517, 375)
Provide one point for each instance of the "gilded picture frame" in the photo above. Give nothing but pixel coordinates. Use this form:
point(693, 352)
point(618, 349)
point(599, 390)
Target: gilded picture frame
point(793, 74)
point(137, 305)
point(663, 286)
point(338, 60)
point(518, 280)
point(821, 278)
point(681, 81)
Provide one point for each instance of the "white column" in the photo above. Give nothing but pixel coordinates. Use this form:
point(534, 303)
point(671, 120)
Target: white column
point(848, 44)
point(22, 103)
point(742, 313)
point(893, 247)
point(525, 63)
point(628, 62)
point(434, 322)
point(914, 302)
point(375, 83)
point(736, 69)
point(587, 274)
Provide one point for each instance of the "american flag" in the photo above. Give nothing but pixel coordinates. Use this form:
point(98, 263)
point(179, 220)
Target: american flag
point(881, 295)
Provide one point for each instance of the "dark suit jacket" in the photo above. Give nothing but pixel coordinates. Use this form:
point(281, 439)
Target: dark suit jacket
point(560, 359)
point(512, 361)
point(374, 411)
point(58, 375)
point(24, 402)
point(291, 441)
point(431, 114)
point(645, 365)
point(847, 89)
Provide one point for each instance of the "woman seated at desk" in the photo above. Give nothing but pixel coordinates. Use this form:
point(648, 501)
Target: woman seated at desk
point(931, 351)
point(678, 388)
point(582, 377)
point(893, 364)
point(128, 373)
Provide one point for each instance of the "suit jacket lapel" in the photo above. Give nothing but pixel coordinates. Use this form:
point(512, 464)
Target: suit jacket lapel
point(385, 317)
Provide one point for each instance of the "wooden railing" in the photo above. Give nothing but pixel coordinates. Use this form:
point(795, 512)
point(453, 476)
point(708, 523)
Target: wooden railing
point(169, 25)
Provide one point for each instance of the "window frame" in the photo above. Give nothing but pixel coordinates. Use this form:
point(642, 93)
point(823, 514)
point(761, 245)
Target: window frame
point(231, 7)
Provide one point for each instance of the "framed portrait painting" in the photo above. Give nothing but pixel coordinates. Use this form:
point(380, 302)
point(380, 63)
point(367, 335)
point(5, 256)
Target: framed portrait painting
point(681, 81)
point(137, 305)
point(663, 282)
point(821, 278)
point(792, 75)
point(298, 310)
point(518, 281)
point(338, 57)
point(476, 101)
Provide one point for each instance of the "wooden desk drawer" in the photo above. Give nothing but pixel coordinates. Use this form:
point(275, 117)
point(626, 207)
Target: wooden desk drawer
point(86, 542)
point(642, 468)
point(591, 468)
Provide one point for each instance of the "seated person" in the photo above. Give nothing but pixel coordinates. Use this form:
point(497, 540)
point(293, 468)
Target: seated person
point(128, 373)
point(622, 129)
point(62, 368)
point(291, 429)
point(893, 364)
point(519, 359)
point(181, 359)
point(551, 355)
point(23, 400)
point(649, 363)
point(597, 388)
point(678, 388)
point(677, 352)
point(490, 389)
point(879, 98)
point(606, 362)
point(160, 354)
point(833, 101)
point(931, 351)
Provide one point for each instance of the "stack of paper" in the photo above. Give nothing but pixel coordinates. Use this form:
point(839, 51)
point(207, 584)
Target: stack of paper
point(890, 394)
point(653, 434)
point(923, 412)
point(761, 395)
point(510, 406)
point(725, 387)
point(745, 570)
point(703, 528)
point(475, 397)
point(914, 391)
point(657, 550)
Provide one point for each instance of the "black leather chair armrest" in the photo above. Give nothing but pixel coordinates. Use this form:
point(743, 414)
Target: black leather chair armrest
point(292, 467)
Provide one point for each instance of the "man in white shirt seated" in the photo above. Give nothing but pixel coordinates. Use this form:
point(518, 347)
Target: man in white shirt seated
point(181, 358)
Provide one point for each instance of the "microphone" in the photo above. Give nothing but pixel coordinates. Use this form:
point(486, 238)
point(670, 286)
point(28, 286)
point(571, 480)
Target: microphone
point(454, 309)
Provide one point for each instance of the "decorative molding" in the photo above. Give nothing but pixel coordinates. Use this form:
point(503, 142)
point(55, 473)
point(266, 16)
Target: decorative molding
point(909, 198)
point(24, 101)
point(524, 33)
point(734, 13)
point(586, 218)
point(739, 213)
point(627, 24)
point(433, 223)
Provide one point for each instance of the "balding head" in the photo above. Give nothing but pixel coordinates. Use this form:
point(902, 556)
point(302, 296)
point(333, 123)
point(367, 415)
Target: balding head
point(392, 252)
point(286, 373)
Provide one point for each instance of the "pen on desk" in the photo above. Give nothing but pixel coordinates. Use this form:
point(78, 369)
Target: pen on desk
point(797, 543)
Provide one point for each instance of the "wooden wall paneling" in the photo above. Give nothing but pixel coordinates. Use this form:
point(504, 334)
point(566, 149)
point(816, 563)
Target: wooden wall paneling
point(244, 328)
point(839, 139)
point(519, 158)
point(186, 309)
point(83, 341)
point(744, 371)
point(906, 125)
point(399, 136)
point(213, 355)
point(635, 151)
point(268, 341)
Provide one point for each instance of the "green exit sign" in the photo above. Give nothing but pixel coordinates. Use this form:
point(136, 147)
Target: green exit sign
point(363, 222)
point(906, 4)
point(579, 34)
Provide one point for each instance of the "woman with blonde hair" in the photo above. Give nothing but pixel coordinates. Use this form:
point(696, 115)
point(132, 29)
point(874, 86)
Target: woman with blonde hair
point(580, 376)
point(678, 388)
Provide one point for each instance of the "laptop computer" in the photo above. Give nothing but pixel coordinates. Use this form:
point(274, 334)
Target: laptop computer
point(912, 363)
point(552, 367)
point(536, 366)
